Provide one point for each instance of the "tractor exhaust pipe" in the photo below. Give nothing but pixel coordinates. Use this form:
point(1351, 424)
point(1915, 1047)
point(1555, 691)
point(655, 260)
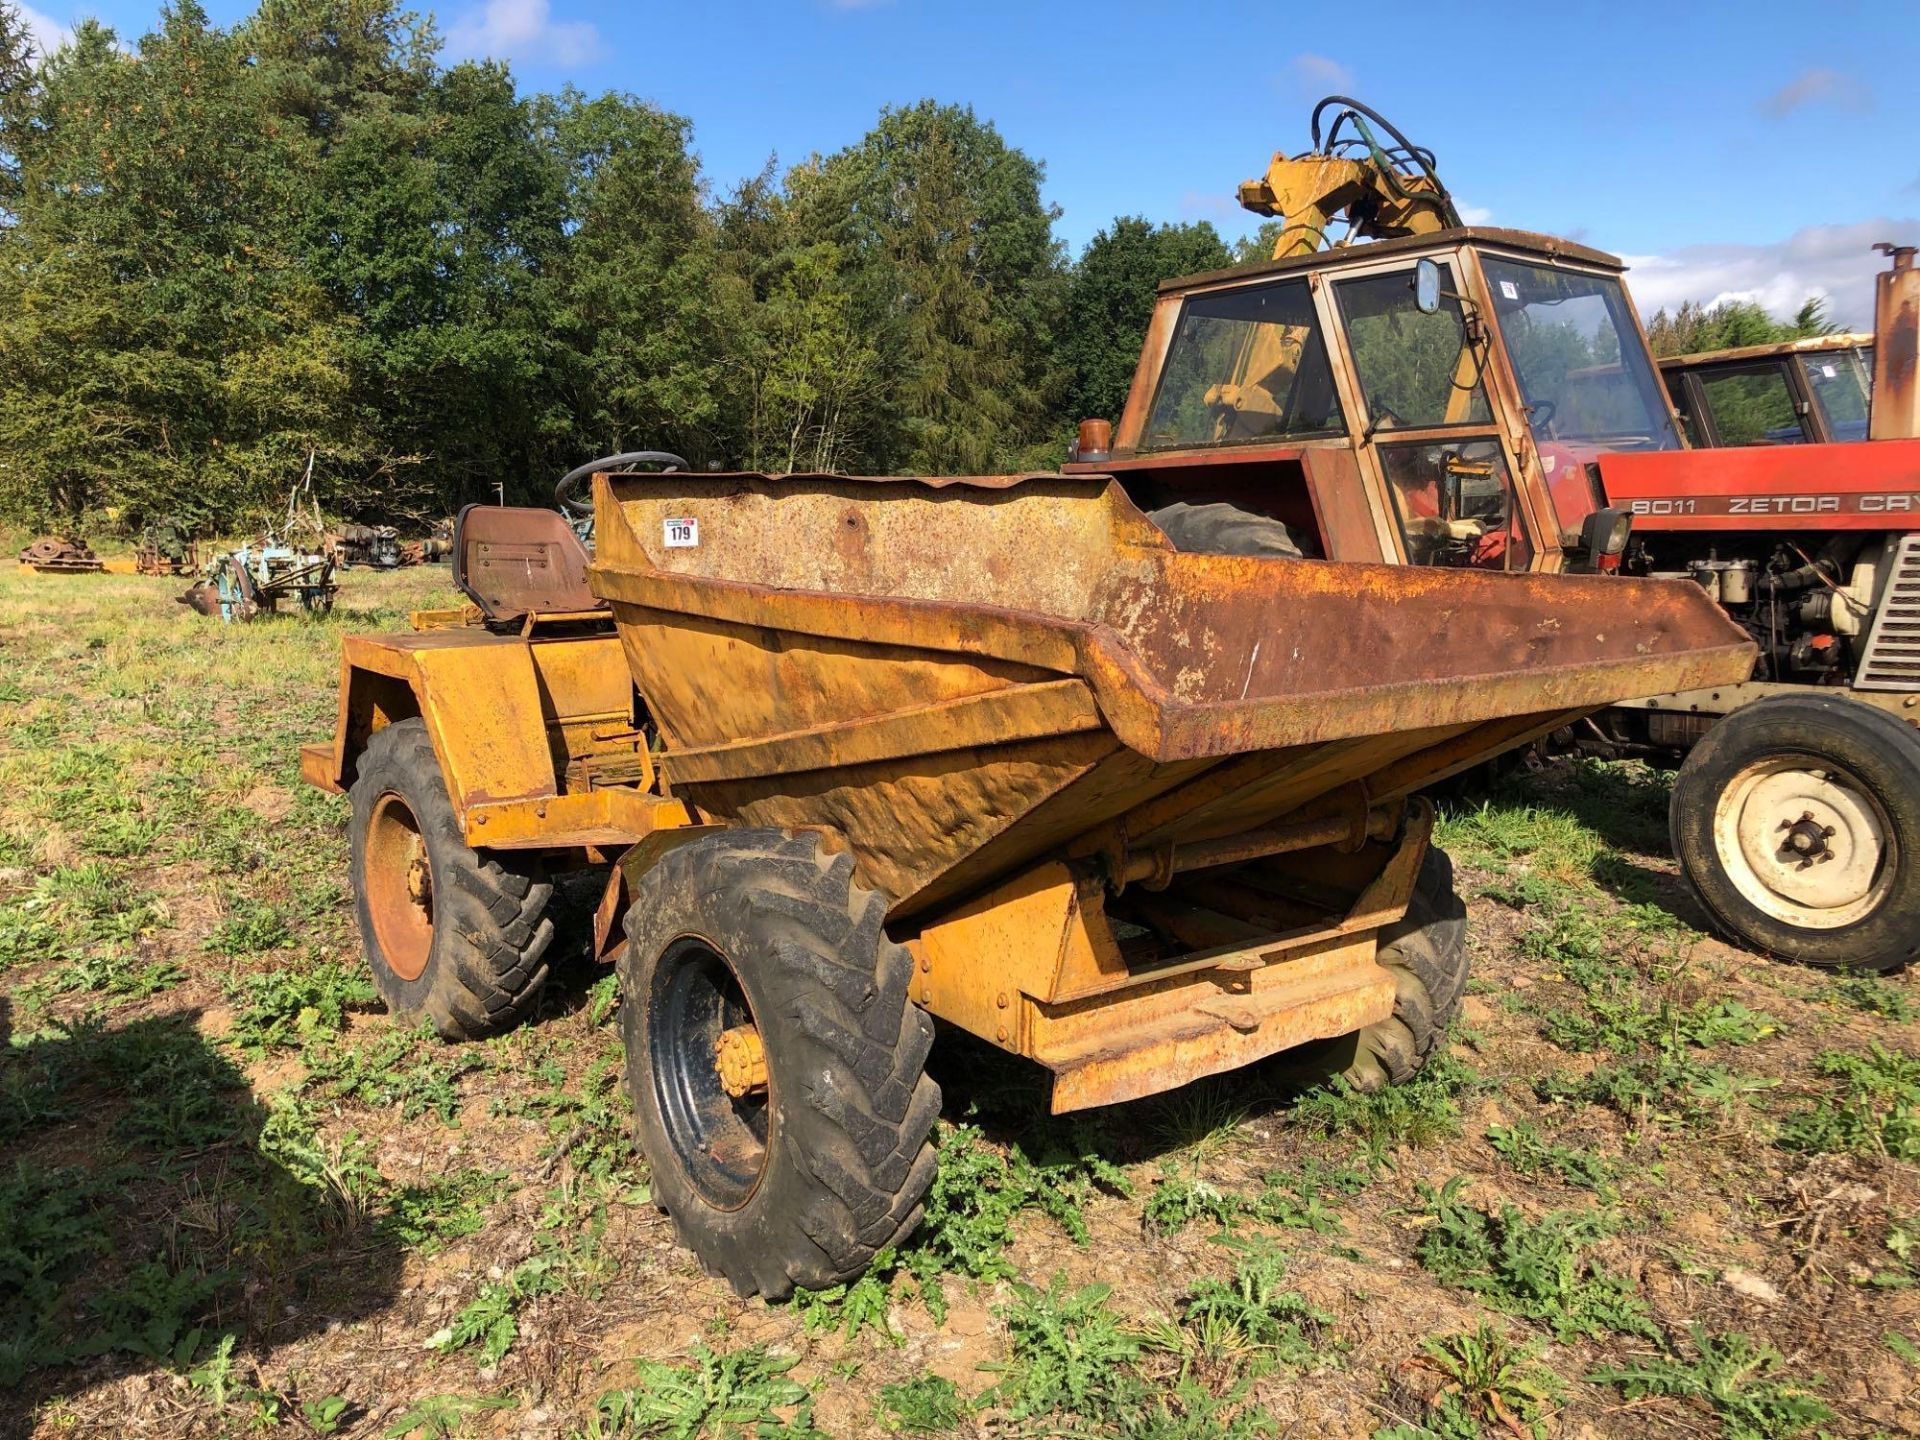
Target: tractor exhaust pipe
point(1895, 414)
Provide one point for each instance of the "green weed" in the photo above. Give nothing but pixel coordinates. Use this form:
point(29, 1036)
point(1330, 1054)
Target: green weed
point(413, 1070)
point(923, 1406)
point(283, 1007)
point(979, 1191)
point(1876, 1112)
point(440, 1417)
point(713, 1395)
point(425, 1217)
point(1875, 994)
point(1534, 1268)
point(1486, 1379)
point(1422, 1111)
point(1070, 1353)
point(1253, 1312)
point(1523, 1147)
point(491, 1319)
point(1738, 1377)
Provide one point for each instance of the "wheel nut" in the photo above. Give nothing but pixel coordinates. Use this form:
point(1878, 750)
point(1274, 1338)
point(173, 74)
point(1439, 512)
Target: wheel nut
point(741, 1059)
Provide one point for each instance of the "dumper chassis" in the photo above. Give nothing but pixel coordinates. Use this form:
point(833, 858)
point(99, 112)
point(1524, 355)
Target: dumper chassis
point(851, 764)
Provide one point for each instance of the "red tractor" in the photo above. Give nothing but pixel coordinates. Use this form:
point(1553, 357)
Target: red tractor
point(1434, 394)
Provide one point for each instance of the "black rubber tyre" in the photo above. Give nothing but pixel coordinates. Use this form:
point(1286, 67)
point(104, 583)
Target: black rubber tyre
point(804, 1182)
point(476, 958)
point(1813, 745)
point(1426, 952)
point(1221, 529)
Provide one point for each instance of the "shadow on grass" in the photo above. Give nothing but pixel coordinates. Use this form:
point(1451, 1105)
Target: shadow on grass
point(149, 1206)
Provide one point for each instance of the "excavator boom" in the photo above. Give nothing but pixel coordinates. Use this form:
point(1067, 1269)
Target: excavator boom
point(1382, 191)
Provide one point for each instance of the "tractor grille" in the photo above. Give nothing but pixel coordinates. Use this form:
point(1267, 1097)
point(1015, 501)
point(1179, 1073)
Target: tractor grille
point(1891, 659)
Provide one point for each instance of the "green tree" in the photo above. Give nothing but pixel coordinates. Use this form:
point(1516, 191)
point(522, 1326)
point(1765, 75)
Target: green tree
point(955, 275)
point(160, 347)
point(646, 310)
point(18, 93)
point(1110, 299)
point(1695, 329)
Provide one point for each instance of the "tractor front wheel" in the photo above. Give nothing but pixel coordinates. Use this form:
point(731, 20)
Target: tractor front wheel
point(452, 933)
point(1796, 821)
point(775, 1062)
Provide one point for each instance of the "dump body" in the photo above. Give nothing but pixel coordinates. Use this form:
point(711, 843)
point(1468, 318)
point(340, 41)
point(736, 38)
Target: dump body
point(962, 677)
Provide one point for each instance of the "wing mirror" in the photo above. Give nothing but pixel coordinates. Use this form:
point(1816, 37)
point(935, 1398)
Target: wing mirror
point(1426, 288)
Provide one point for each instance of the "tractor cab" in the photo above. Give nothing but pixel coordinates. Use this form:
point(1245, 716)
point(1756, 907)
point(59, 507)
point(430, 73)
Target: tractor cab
point(1431, 399)
point(1817, 391)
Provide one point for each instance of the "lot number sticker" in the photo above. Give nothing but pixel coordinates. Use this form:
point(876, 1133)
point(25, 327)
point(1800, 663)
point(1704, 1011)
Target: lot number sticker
point(681, 534)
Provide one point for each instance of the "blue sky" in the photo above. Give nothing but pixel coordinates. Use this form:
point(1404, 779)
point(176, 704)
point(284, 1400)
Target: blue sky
point(1719, 149)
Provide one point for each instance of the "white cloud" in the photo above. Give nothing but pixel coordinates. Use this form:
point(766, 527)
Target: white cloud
point(522, 30)
point(1473, 214)
point(48, 33)
point(1319, 74)
point(1817, 86)
point(1835, 261)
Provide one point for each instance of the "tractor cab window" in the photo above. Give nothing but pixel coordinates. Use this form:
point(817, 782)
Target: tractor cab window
point(1454, 501)
point(1842, 385)
point(1584, 373)
point(1245, 365)
point(1416, 371)
point(1752, 404)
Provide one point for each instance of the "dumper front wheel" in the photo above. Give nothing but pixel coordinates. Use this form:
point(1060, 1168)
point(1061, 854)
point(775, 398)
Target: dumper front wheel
point(1426, 953)
point(452, 933)
point(776, 1065)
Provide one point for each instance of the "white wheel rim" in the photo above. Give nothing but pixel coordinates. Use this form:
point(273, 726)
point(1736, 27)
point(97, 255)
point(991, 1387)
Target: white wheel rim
point(1804, 842)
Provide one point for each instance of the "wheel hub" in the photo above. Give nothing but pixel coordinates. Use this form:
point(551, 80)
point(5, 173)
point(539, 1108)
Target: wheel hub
point(1804, 842)
point(709, 1072)
point(741, 1059)
point(397, 881)
point(419, 878)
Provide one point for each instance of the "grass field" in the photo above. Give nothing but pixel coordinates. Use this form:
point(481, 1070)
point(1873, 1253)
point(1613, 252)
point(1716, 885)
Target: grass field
point(1658, 1187)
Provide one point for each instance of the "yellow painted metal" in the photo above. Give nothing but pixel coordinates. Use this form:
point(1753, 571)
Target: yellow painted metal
point(535, 737)
point(1034, 967)
point(741, 1059)
point(1312, 191)
point(609, 818)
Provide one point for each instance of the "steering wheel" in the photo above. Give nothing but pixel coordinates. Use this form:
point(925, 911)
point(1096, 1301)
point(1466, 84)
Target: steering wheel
point(1542, 422)
point(567, 496)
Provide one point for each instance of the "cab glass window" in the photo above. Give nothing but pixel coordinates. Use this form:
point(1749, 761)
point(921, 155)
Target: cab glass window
point(1245, 365)
point(1583, 370)
point(1454, 502)
point(1416, 371)
point(1752, 404)
point(1842, 384)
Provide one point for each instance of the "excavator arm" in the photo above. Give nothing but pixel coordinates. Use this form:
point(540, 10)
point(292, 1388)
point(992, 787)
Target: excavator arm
point(1381, 190)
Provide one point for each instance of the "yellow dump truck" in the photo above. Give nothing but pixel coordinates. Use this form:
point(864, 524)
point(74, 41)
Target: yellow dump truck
point(859, 754)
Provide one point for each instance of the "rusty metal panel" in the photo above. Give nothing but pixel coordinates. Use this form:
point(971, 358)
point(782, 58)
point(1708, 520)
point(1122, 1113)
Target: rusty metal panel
point(812, 607)
point(1895, 413)
point(513, 561)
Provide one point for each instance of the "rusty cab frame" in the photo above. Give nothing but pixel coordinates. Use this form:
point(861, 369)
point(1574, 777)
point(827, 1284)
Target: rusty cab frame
point(1480, 475)
point(1797, 392)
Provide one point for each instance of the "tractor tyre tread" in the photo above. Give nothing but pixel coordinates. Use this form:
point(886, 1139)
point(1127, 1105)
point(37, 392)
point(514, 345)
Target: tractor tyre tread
point(491, 930)
point(852, 1156)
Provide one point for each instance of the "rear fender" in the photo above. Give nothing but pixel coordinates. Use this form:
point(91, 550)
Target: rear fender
point(484, 706)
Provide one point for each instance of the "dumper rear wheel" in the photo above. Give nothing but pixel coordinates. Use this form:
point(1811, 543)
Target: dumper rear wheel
point(452, 933)
point(1221, 529)
point(776, 1065)
point(1426, 953)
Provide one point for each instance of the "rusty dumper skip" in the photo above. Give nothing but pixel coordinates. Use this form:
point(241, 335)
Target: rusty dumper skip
point(862, 754)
